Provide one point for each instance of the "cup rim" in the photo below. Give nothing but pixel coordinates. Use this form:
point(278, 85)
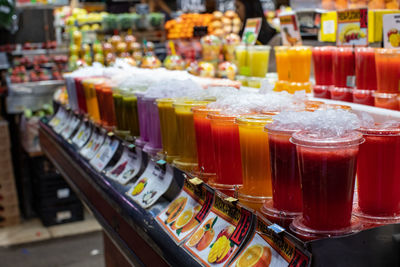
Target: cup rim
point(306, 138)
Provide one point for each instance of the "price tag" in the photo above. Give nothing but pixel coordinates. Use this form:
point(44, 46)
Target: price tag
point(185, 213)
point(71, 127)
point(105, 154)
point(127, 167)
point(82, 135)
point(273, 249)
point(60, 115)
point(290, 31)
point(391, 30)
point(59, 128)
point(151, 185)
point(93, 148)
point(251, 31)
point(352, 27)
point(221, 234)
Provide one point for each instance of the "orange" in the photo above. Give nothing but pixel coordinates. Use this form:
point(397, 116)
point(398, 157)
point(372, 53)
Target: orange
point(255, 256)
point(184, 219)
point(196, 237)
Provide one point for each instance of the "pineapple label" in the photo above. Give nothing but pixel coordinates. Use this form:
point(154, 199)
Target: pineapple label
point(71, 127)
point(290, 31)
point(265, 248)
point(127, 167)
point(94, 144)
point(58, 117)
point(105, 154)
point(352, 27)
point(151, 185)
point(82, 135)
point(221, 234)
point(185, 213)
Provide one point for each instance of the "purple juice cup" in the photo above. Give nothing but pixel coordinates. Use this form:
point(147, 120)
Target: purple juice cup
point(154, 144)
point(143, 120)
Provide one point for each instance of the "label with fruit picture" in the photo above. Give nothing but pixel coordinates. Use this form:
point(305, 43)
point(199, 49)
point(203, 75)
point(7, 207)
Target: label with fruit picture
point(221, 234)
point(71, 127)
point(105, 154)
point(58, 117)
point(251, 31)
point(184, 214)
point(352, 27)
point(63, 124)
point(82, 135)
point(391, 31)
point(90, 149)
point(127, 167)
point(290, 31)
point(266, 248)
point(151, 185)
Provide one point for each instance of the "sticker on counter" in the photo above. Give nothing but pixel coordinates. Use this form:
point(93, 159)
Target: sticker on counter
point(82, 135)
point(290, 30)
point(151, 185)
point(352, 27)
point(127, 167)
point(63, 124)
point(251, 31)
point(222, 233)
point(58, 117)
point(391, 30)
point(266, 248)
point(186, 211)
point(71, 127)
point(105, 154)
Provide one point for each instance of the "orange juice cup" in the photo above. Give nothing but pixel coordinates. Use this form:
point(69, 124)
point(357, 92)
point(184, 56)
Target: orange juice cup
point(168, 126)
point(300, 63)
point(282, 62)
point(92, 104)
point(388, 101)
point(255, 160)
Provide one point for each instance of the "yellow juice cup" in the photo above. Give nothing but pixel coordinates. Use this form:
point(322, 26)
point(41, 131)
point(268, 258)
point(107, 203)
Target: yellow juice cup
point(282, 62)
point(257, 59)
point(300, 63)
point(169, 129)
point(91, 98)
point(257, 186)
point(187, 148)
point(241, 59)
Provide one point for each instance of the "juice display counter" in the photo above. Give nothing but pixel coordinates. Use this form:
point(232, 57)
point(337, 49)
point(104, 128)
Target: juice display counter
point(142, 241)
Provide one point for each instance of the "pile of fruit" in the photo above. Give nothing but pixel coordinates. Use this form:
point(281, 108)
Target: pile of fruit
point(182, 27)
point(225, 23)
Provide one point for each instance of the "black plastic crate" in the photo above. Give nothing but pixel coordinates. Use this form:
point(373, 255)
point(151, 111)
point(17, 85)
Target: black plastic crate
point(61, 214)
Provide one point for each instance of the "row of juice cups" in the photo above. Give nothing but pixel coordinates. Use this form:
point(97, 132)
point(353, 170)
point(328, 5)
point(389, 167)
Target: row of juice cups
point(234, 153)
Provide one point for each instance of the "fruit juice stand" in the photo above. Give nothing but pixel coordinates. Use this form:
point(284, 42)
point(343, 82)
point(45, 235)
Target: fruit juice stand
point(147, 232)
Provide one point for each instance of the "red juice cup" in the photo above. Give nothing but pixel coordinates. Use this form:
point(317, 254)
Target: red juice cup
point(286, 201)
point(365, 68)
point(205, 146)
point(80, 94)
point(387, 70)
point(228, 163)
point(322, 59)
point(378, 174)
point(388, 101)
point(364, 97)
point(343, 67)
point(327, 172)
point(342, 94)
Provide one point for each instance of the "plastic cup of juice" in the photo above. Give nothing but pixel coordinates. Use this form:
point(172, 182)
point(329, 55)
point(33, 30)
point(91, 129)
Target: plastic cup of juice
point(257, 59)
point(255, 160)
point(130, 113)
point(282, 62)
point(107, 110)
point(295, 87)
point(365, 68)
point(99, 95)
point(322, 59)
point(364, 97)
point(187, 148)
point(117, 98)
point(211, 47)
point(286, 201)
point(143, 120)
point(388, 101)
point(378, 174)
point(169, 129)
point(91, 98)
point(228, 162)
point(342, 94)
point(80, 94)
point(322, 91)
point(241, 59)
point(327, 172)
point(344, 67)
point(299, 63)
point(205, 146)
point(387, 70)
point(154, 145)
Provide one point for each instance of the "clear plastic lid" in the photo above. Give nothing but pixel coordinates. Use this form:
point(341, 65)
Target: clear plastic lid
point(312, 139)
point(254, 120)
